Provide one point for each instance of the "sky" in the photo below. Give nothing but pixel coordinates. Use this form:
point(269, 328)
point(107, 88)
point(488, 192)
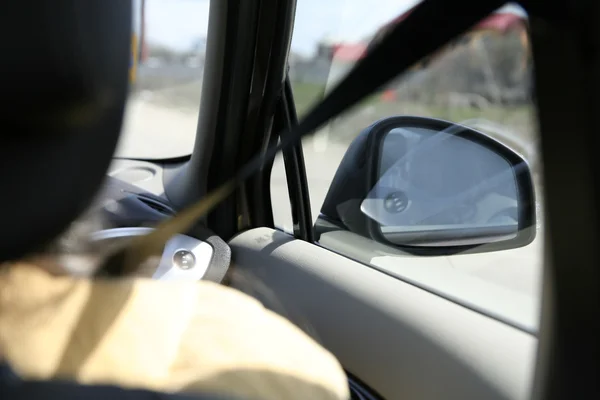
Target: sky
point(177, 23)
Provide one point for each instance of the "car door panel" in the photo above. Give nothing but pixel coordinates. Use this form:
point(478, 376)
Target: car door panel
point(401, 340)
point(453, 277)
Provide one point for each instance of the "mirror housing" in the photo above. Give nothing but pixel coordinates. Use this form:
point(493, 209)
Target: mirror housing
point(431, 187)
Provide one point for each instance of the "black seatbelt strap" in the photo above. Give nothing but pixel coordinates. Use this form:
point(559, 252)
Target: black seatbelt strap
point(429, 26)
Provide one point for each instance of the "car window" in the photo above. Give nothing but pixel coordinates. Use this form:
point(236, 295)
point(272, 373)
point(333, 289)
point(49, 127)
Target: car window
point(482, 80)
point(168, 52)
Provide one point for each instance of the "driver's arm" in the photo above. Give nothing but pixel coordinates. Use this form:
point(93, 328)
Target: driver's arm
point(193, 337)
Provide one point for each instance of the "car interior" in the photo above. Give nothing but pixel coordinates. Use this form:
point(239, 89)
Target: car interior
point(395, 331)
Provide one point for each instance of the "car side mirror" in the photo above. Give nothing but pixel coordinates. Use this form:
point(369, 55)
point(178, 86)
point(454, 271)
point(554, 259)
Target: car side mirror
point(431, 186)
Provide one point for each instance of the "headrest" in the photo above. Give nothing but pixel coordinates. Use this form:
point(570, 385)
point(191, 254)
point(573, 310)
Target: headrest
point(64, 82)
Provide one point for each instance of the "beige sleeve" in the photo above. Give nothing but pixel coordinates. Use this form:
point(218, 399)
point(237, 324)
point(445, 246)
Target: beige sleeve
point(198, 337)
point(255, 352)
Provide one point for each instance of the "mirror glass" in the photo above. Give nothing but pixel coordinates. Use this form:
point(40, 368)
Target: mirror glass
point(435, 188)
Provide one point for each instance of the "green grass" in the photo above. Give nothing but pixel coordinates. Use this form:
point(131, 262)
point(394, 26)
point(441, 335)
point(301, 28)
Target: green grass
point(519, 120)
point(307, 95)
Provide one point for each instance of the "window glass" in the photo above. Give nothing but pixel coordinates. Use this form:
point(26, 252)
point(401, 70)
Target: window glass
point(168, 50)
point(280, 198)
point(482, 80)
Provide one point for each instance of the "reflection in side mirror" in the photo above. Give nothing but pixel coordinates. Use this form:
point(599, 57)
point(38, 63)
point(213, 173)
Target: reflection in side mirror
point(434, 184)
point(436, 187)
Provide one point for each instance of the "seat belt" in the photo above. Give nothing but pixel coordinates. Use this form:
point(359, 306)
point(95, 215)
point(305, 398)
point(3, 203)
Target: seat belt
point(406, 44)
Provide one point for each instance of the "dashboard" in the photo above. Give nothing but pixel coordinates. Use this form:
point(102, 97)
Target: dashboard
point(133, 201)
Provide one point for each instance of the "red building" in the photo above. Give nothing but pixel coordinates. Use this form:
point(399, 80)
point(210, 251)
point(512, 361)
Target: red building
point(500, 22)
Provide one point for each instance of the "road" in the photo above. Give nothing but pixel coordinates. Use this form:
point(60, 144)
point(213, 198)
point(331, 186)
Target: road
point(155, 131)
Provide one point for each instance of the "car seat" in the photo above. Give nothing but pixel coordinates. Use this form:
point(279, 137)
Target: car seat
point(65, 78)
